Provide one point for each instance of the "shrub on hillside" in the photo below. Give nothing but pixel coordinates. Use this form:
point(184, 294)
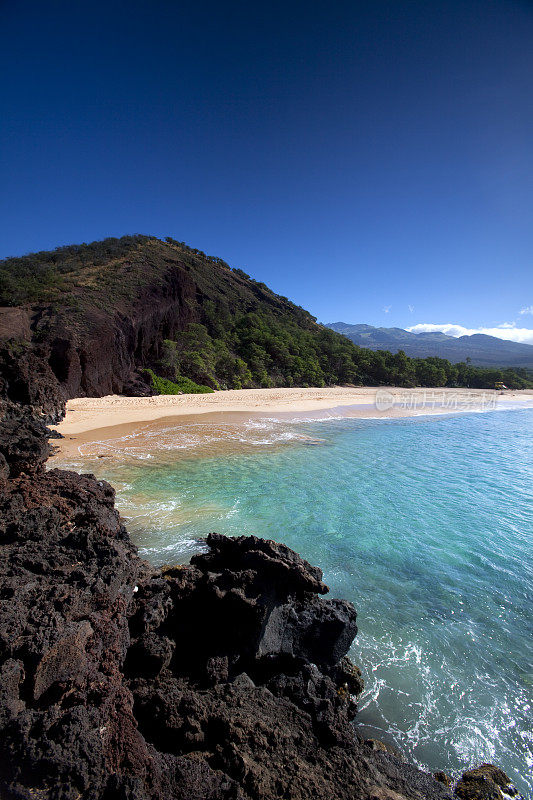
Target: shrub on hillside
point(181, 385)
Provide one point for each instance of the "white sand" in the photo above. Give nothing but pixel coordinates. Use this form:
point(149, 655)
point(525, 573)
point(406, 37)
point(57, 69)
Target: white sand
point(87, 414)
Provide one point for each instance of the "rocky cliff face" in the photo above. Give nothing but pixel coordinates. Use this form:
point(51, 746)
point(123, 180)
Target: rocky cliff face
point(227, 678)
point(49, 354)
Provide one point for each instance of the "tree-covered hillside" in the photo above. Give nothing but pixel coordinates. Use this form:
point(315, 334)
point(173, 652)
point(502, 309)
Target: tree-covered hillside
point(256, 349)
point(175, 313)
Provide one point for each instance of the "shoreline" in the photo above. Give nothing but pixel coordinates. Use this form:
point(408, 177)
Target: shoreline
point(204, 419)
point(88, 414)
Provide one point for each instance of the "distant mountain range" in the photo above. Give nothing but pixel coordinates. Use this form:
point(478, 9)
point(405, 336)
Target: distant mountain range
point(484, 351)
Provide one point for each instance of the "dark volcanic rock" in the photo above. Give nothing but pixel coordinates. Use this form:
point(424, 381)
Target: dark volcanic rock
point(23, 440)
point(485, 782)
point(138, 386)
point(26, 378)
point(443, 778)
point(67, 577)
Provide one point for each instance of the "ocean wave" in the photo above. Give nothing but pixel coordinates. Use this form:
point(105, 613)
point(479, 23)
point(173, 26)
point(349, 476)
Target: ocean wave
point(440, 710)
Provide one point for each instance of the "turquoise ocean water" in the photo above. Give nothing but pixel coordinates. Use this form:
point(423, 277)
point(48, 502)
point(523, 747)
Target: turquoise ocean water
point(425, 524)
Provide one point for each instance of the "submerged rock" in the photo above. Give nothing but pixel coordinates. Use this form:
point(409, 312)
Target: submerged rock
point(486, 782)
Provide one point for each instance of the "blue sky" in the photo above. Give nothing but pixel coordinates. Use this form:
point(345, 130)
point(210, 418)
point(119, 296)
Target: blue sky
point(371, 160)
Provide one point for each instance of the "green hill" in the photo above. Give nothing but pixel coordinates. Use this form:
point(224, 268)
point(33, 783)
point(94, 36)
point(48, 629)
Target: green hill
point(108, 316)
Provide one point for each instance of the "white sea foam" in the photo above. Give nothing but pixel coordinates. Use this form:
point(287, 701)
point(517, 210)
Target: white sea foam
point(410, 725)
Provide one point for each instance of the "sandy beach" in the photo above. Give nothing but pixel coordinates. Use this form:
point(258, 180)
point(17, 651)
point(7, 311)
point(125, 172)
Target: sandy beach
point(86, 415)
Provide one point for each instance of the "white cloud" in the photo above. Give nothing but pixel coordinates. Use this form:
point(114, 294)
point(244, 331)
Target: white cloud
point(527, 310)
point(386, 309)
point(506, 330)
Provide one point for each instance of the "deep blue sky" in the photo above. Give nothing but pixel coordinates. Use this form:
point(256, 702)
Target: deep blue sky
point(352, 155)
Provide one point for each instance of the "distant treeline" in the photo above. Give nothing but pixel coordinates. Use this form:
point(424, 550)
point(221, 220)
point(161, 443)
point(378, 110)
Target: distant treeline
point(243, 334)
point(256, 349)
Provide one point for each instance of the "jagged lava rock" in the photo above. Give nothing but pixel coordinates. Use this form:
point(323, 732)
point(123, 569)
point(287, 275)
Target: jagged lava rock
point(23, 439)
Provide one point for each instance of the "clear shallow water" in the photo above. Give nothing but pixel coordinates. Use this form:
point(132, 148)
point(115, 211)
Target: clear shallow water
point(425, 524)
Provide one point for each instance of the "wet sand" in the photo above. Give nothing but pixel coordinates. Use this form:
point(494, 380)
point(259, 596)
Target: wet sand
point(197, 424)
